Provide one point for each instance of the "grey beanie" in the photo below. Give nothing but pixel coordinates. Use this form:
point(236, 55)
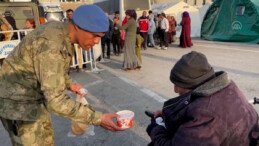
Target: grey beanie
point(191, 70)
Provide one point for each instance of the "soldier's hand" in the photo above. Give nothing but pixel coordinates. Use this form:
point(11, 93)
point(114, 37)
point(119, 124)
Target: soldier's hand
point(76, 89)
point(108, 124)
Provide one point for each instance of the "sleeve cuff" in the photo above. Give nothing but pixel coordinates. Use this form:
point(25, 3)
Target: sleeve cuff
point(156, 130)
point(69, 83)
point(97, 118)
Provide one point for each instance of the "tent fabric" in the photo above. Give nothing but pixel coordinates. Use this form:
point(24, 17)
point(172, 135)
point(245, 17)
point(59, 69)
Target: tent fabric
point(256, 2)
point(222, 21)
point(203, 10)
point(176, 9)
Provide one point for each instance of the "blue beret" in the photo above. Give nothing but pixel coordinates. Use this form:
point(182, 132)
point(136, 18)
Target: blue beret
point(91, 18)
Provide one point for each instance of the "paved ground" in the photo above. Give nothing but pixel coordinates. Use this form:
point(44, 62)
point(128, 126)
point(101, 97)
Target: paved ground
point(114, 89)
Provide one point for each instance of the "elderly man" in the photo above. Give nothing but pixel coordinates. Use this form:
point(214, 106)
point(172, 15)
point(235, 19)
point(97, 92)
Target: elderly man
point(34, 79)
point(210, 110)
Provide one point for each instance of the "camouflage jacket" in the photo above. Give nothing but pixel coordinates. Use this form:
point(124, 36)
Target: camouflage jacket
point(36, 72)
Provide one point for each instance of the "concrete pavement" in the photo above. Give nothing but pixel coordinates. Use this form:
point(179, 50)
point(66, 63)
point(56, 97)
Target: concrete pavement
point(108, 93)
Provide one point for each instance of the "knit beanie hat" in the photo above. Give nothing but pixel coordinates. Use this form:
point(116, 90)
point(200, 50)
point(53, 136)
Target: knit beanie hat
point(191, 71)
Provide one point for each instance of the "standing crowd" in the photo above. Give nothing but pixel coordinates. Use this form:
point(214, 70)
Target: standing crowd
point(131, 35)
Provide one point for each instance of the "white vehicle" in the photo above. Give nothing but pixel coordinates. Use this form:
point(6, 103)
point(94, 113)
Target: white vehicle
point(13, 28)
point(52, 11)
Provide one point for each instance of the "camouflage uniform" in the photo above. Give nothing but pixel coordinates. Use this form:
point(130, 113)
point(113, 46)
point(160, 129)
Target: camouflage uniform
point(34, 80)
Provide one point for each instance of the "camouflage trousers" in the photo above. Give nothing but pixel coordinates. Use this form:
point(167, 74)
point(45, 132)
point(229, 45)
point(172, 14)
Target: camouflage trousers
point(27, 133)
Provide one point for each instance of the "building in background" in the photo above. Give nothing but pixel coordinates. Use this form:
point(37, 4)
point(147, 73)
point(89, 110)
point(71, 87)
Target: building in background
point(190, 2)
point(68, 4)
point(110, 6)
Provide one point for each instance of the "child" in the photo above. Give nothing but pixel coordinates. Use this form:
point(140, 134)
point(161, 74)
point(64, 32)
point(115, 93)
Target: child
point(116, 39)
point(139, 41)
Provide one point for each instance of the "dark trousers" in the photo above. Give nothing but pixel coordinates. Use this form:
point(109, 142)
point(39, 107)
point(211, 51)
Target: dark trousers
point(116, 43)
point(145, 36)
point(108, 43)
point(163, 38)
point(169, 37)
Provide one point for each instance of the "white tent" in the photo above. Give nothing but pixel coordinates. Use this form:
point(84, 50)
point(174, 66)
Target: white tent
point(203, 10)
point(176, 9)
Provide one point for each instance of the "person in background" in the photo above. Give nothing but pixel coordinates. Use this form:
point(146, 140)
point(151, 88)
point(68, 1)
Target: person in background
point(34, 79)
point(117, 15)
point(139, 41)
point(29, 23)
point(150, 14)
point(151, 31)
point(69, 13)
point(185, 37)
point(169, 33)
point(210, 109)
point(5, 26)
point(157, 34)
point(130, 59)
point(164, 30)
point(123, 33)
point(116, 38)
point(2, 37)
point(174, 24)
point(143, 23)
point(106, 39)
point(9, 24)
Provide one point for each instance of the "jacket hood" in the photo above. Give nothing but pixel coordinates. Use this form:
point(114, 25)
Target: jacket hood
point(214, 85)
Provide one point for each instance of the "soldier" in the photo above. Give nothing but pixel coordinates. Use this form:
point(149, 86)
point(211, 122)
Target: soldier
point(34, 79)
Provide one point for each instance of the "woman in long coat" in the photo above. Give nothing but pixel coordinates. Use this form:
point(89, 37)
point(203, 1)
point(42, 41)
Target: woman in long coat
point(130, 59)
point(185, 38)
point(174, 24)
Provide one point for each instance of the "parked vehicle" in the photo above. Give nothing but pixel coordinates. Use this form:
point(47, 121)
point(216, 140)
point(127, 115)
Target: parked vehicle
point(13, 16)
point(52, 11)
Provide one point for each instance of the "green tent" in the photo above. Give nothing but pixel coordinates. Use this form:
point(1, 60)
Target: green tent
point(232, 21)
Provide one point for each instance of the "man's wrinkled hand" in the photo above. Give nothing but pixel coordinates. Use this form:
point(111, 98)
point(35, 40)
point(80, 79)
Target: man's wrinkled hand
point(158, 114)
point(108, 124)
point(76, 89)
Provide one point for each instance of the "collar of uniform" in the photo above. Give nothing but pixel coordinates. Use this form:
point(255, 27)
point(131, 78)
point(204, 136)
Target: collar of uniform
point(69, 45)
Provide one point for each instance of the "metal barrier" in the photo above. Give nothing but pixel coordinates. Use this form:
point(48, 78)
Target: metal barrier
point(80, 57)
point(90, 56)
point(7, 46)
